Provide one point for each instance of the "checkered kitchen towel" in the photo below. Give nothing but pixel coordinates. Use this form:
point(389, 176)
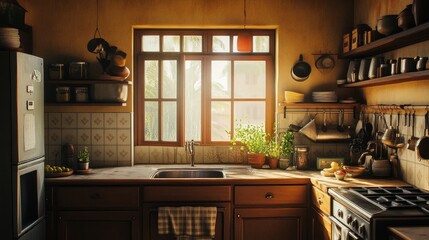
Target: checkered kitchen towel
point(187, 222)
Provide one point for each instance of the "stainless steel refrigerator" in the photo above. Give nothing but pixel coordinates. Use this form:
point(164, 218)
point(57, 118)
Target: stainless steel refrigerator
point(22, 147)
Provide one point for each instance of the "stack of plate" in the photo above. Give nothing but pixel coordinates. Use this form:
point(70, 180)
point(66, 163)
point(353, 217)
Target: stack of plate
point(324, 96)
point(9, 38)
point(293, 97)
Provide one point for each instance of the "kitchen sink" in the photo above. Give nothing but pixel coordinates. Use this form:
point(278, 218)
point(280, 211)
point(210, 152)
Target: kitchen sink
point(189, 173)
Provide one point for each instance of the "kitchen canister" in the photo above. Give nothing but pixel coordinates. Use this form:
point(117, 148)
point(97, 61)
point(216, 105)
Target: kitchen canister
point(81, 94)
point(78, 70)
point(301, 157)
point(63, 94)
point(56, 71)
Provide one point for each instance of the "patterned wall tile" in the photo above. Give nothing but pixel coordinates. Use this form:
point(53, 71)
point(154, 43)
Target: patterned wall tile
point(124, 154)
point(411, 172)
point(84, 120)
point(110, 137)
point(84, 136)
point(53, 154)
point(215, 154)
point(110, 120)
point(54, 137)
point(68, 120)
point(97, 120)
point(124, 136)
point(97, 137)
point(141, 154)
point(110, 154)
point(68, 136)
point(421, 176)
point(124, 120)
point(155, 155)
point(169, 155)
point(181, 156)
point(54, 120)
point(97, 153)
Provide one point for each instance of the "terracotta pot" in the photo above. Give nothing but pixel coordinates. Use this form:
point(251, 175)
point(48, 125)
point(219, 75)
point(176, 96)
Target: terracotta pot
point(256, 160)
point(273, 162)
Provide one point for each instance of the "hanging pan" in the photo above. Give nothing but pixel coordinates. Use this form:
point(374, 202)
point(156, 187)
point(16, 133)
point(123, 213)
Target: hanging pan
point(422, 146)
point(301, 70)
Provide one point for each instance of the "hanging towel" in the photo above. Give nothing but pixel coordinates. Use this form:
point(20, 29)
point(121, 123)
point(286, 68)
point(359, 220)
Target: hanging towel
point(187, 222)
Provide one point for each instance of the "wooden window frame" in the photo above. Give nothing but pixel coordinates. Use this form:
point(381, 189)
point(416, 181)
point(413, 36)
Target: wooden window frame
point(205, 56)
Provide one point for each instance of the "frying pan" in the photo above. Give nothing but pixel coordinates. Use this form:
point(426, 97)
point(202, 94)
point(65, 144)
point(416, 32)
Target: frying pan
point(301, 70)
point(422, 146)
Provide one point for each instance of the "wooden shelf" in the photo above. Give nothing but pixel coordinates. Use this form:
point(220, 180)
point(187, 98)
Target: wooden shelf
point(398, 78)
point(318, 105)
point(85, 81)
point(83, 104)
point(413, 35)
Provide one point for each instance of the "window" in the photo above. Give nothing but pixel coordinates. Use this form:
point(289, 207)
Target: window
point(194, 84)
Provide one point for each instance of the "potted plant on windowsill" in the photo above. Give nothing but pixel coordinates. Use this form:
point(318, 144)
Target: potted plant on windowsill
point(83, 159)
point(274, 150)
point(254, 138)
point(286, 149)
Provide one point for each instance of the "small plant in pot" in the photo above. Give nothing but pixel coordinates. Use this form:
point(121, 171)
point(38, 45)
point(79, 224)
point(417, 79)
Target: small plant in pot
point(83, 159)
point(254, 138)
point(274, 150)
point(286, 149)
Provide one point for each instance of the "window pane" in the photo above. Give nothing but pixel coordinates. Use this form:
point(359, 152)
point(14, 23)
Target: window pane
point(151, 78)
point(249, 79)
point(221, 79)
point(192, 43)
point(169, 121)
point(220, 44)
point(151, 121)
point(150, 43)
point(169, 79)
point(193, 100)
point(171, 43)
point(252, 112)
point(261, 44)
point(221, 121)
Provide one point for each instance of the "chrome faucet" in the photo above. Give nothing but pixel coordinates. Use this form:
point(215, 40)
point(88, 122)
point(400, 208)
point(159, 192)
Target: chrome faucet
point(190, 147)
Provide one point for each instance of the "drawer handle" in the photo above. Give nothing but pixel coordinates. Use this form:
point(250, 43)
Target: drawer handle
point(95, 196)
point(269, 195)
point(319, 200)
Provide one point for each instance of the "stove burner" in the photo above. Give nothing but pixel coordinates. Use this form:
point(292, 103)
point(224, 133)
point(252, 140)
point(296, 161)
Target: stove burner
point(394, 197)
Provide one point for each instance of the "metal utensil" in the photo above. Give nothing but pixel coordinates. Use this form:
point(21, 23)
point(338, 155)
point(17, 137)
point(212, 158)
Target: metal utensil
point(422, 145)
point(340, 126)
point(324, 127)
point(413, 140)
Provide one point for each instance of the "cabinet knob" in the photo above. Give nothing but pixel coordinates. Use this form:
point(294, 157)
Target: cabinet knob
point(238, 216)
point(319, 201)
point(269, 195)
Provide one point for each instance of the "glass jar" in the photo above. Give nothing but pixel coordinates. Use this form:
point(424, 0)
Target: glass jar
point(78, 70)
point(81, 94)
point(63, 94)
point(56, 71)
point(301, 157)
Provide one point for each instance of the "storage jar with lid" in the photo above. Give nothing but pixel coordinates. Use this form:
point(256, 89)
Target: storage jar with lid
point(56, 71)
point(81, 94)
point(78, 70)
point(301, 157)
point(63, 94)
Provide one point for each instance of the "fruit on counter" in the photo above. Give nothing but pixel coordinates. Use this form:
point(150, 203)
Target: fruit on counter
point(56, 169)
point(334, 167)
point(326, 174)
point(341, 172)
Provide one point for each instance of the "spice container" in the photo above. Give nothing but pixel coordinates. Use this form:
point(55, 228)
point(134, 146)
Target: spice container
point(56, 71)
point(81, 94)
point(78, 70)
point(63, 94)
point(301, 157)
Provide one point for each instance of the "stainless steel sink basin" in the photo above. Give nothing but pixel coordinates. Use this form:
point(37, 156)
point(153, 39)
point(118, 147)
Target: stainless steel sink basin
point(189, 173)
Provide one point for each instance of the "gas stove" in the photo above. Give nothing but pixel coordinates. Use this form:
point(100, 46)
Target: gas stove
point(367, 212)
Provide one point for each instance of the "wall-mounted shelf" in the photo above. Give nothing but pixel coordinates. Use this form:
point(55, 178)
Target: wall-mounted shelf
point(398, 78)
point(318, 105)
point(413, 35)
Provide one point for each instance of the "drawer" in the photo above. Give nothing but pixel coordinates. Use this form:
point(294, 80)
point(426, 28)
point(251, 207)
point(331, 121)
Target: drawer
point(94, 198)
point(187, 194)
point(321, 200)
point(271, 195)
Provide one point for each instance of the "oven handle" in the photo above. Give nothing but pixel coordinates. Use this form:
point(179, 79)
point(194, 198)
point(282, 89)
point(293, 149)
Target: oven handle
point(352, 236)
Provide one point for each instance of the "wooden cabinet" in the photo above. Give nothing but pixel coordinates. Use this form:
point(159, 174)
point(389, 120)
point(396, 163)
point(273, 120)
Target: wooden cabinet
point(270, 212)
point(87, 213)
point(172, 196)
point(319, 218)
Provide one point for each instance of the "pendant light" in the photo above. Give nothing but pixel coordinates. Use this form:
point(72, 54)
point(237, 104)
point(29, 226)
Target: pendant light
point(244, 39)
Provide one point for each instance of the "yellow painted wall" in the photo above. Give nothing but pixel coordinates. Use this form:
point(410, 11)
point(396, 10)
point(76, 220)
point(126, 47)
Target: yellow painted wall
point(61, 29)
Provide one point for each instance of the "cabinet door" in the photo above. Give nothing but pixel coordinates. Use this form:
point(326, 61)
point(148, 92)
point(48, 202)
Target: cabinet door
point(270, 223)
point(321, 226)
point(223, 223)
point(90, 225)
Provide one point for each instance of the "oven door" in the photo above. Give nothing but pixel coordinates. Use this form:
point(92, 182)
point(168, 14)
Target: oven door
point(29, 192)
point(342, 232)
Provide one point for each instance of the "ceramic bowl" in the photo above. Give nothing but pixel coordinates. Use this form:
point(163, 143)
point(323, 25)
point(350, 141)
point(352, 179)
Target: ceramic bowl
point(354, 171)
point(388, 25)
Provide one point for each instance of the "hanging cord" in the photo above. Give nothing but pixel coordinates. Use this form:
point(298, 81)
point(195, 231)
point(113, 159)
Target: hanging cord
point(97, 31)
point(244, 15)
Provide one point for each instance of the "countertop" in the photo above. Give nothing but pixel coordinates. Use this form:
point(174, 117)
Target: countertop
point(410, 233)
point(235, 174)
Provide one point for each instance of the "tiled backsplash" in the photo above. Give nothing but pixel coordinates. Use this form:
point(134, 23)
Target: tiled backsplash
point(107, 135)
